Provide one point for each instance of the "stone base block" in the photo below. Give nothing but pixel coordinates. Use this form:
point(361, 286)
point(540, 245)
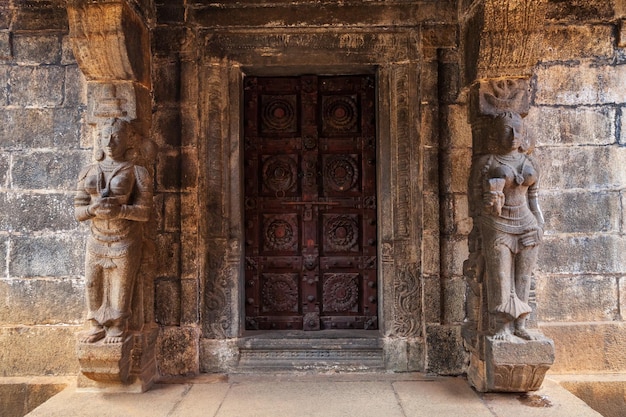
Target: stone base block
point(129, 366)
point(515, 365)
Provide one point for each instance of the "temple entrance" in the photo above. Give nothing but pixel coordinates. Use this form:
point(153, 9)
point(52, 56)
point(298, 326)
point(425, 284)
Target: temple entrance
point(310, 203)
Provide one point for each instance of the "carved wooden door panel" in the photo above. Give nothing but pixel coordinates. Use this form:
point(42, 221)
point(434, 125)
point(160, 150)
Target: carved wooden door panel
point(310, 202)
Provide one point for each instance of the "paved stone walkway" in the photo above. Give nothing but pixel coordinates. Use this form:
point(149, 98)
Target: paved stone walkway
point(313, 395)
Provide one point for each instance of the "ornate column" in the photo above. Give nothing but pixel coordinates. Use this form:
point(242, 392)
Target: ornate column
point(111, 44)
point(501, 43)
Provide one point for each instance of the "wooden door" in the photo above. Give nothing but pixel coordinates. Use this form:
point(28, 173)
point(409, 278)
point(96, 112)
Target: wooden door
point(310, 202)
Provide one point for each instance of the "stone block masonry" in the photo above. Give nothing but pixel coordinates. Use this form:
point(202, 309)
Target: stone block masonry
point(577, 121)
point(576, 118)
point(41, 245)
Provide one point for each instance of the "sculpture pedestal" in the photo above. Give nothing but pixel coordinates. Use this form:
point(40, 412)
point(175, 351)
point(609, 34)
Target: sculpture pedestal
point(515, 365)
point(129, 366)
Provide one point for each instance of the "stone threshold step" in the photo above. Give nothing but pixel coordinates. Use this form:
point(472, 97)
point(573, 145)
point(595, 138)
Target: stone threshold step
point(298, 350)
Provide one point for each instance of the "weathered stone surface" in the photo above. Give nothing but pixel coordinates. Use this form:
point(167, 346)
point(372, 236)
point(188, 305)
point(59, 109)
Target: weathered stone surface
point(582, 212)
point(36, 212)
point(606, 395)
point(57, 255)
point(40, 16)
point(563, 167)
point(36, 86)
point(456, 252)
point(463, 222)
point(67, 55)
point(168, 171)
point(431, 170)
point(431, 212)
point(105, 362)
point(189, 213)
point(167, 302)
point(4, 244)
point(582, 255)
point(431, 254)
point(19, 399)
point(511, 366)
point(110, 41)
point(22, 349)
point(171, 212)
point(445, 353)
point(459, 128)
point(190, 297)
point(432, 300)
point(167, 82)
point(562, 43)
point(167, 127)
point(218, 355)
point(168, 254)
point(622, 297)
point(577, 298)
point(189, 256)
point(166, 13)
point(4, 85)
point(461, 162)
point(4, 170)
point(75, 87)
point(6, 13)
point(5, 44)
point(579, 10)
point(41, 301)
point(177, 348)
point(454, 299)
point(47, 128)
point(571, 126)
point(580, 85)
point(370, 14)
point(47, 170)
point(587, 347)
point(189, 169)
point(167, 40)
point(37, 49)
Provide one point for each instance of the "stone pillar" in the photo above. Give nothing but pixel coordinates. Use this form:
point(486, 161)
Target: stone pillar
point(507, 352)
point(110, 41)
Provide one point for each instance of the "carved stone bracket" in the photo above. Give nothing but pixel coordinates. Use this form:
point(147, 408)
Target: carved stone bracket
point(504, 356)
point(111, 44)
point(109, 41)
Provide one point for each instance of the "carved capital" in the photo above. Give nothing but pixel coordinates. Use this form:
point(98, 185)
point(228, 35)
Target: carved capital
point(500, 95)
point(493, 97)
point(110, 41)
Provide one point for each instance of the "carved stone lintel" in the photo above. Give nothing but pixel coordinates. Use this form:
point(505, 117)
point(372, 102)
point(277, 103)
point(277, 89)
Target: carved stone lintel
point(511, 366)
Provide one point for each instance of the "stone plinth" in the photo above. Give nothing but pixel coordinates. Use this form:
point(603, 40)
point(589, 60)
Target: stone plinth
point(514, 365)
point(129, 366)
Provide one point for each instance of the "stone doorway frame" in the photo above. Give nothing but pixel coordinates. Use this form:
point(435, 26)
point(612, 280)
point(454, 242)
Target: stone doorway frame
point(393, 55)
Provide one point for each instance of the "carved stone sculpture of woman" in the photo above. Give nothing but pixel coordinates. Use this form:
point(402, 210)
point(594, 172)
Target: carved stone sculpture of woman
point(511, 227)
point(116, 195)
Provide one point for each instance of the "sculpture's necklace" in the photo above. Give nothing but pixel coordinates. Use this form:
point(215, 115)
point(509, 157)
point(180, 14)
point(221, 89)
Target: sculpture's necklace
point(104, 183)
point(519, 177)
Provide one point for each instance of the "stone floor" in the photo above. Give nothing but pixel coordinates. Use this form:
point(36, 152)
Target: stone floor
point(310, 395)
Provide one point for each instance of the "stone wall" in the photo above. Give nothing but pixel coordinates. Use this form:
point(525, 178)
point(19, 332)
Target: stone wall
point(576, 116)
point(41, 151)
point(577, 119)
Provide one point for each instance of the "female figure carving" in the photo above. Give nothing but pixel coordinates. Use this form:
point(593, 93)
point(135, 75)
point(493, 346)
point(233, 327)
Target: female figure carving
point(116, 195)
point(511, 227)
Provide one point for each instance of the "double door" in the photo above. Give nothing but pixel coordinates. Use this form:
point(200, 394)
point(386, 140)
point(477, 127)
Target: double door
point(310, 203)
